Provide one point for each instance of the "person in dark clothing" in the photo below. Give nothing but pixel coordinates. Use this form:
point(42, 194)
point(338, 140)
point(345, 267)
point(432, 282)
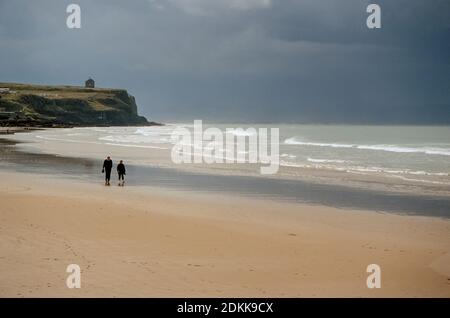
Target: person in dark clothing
point(121, 172)
point(107, 167)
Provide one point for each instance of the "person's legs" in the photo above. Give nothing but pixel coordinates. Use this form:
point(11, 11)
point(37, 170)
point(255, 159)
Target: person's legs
point(121, 178)
point(107, 176)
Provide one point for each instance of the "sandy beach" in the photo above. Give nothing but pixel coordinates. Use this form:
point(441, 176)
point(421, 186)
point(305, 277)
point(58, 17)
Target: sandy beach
point(141, 242)
point(258, 149)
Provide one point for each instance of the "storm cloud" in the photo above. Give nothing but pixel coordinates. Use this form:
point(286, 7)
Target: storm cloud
point(242, 60)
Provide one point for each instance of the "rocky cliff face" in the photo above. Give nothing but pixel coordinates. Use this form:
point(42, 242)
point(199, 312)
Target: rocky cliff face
point(36, 105)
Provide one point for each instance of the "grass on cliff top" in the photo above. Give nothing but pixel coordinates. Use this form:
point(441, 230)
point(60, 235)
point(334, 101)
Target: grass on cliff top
point(52, 88)
point(92, 95)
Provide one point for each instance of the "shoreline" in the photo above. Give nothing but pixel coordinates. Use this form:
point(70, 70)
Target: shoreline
point(296, 191)
point(66, 143)
point(11, 130)
point(14, 128)
point(136, 242)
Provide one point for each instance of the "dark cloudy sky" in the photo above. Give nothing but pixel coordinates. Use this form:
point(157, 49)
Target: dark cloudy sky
point(246, 60)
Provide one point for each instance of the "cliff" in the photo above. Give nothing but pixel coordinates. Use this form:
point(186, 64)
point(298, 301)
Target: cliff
point(53, 106)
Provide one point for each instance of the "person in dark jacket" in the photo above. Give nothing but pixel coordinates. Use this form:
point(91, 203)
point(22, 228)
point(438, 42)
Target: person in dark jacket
point(121, 172)
point(107, 167)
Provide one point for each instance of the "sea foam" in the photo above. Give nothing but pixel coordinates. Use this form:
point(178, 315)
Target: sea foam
point(381, 147)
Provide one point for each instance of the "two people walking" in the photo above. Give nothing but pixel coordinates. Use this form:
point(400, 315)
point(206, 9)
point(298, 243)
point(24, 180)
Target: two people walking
point(107, 167)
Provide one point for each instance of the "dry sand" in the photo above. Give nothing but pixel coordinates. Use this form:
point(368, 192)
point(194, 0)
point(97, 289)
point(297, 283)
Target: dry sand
point(146, 242)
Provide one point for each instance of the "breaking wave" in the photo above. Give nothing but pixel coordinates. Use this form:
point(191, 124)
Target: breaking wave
point(389, 148)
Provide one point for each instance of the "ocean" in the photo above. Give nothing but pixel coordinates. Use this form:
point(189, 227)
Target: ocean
point(418, 154)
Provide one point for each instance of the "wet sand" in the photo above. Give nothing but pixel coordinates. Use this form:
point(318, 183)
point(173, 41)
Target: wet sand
point(333, 195)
